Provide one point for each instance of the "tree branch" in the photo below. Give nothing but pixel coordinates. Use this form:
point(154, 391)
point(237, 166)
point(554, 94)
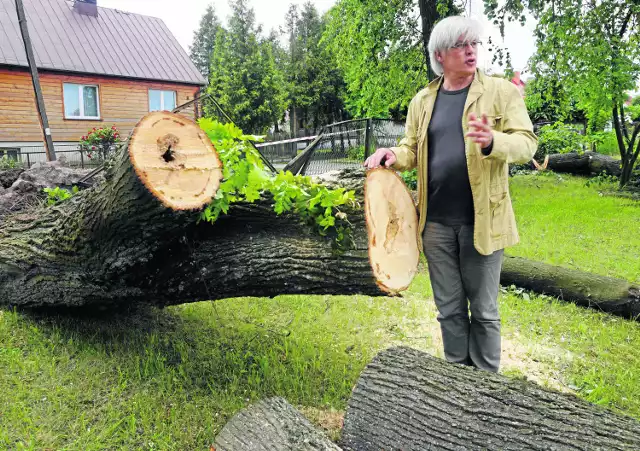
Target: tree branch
point(623, 122)
point(634, 158)
point(616, 126)
point(625, 23)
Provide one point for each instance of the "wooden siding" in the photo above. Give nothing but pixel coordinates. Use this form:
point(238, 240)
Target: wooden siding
point(122, 103)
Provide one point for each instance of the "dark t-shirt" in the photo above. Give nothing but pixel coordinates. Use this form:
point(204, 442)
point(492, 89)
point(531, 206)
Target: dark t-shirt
point(450, 201)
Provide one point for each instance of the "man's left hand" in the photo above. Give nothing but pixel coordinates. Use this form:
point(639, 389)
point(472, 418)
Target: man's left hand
point(480, 130)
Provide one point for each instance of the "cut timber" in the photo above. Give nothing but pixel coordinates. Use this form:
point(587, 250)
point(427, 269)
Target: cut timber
point(392, 226)
point(175, 160)
point(270, 425)
point(587, 163)
point(116, 244)
point(607, 294)
point(408, 400)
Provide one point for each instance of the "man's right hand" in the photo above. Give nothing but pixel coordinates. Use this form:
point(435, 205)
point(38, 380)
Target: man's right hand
point(380, 155)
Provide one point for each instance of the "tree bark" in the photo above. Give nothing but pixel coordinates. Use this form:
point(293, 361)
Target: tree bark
point(406, 399)
point(269, 425)
point(587, 163)
point(607, 294)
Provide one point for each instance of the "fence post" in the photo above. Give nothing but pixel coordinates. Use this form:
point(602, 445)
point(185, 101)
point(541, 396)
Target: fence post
point(81, 159)
point(28, 162)
point(367, 138)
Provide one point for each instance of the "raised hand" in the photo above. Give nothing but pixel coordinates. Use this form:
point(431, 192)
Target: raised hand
point(480, 130)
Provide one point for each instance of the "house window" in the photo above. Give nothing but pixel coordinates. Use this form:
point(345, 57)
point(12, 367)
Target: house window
point(12, 154)
point(81, 101)
point(161, 100)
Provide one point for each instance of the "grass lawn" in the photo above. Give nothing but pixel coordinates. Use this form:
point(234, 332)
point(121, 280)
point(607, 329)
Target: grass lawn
point(563, 222)
point(170, 379)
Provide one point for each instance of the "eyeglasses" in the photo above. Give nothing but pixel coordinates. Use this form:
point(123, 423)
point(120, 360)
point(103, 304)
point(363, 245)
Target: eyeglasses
point(462, 45)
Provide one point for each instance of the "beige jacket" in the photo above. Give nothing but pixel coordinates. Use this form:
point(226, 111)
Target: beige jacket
point(514, 142)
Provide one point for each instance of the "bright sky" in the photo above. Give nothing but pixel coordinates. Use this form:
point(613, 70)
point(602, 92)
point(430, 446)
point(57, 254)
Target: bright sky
point(182, 18)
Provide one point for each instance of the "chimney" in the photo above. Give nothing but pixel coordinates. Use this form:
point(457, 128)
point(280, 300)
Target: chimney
point(86, 7)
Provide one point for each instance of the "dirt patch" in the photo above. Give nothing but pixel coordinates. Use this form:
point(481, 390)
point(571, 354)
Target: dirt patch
point(534, 361)
point(521, 357)
point(330, 421)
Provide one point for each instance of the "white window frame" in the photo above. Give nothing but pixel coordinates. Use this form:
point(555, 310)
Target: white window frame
point(81, 100)
point(161, 91)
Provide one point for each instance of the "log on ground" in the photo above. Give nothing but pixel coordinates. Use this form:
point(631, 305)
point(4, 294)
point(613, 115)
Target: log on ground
point(269, 425)
point(406, 399)
point(587, 163)
point(137, 238)
point(606, 294)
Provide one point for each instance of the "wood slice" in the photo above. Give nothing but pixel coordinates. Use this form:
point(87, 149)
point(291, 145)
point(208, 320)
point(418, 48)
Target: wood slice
point(392, 226)
point(175, 160)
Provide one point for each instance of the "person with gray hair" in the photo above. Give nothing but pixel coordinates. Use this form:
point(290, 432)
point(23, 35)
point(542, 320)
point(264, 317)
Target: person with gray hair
point(462, 131)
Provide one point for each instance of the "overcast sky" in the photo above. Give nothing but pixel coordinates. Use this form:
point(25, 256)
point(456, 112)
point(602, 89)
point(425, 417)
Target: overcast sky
point(183, 16)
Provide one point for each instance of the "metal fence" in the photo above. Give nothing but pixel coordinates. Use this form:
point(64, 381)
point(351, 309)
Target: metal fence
point(336, 146)
point(70, 154)
point(345, 145)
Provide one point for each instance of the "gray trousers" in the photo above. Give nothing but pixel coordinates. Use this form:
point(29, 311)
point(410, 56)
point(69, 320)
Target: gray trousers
point(463, 279)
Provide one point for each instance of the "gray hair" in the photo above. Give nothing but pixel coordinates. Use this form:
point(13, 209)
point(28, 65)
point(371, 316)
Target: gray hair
point(447, 32)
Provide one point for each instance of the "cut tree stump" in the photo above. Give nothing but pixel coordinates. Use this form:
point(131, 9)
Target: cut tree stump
point(406, 399)
point(392, 225)
point(269, 425)
point(606, 294)
point(137, 237)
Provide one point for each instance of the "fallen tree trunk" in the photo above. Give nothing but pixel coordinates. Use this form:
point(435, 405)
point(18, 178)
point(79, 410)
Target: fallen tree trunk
point(136, 238)
point(607, 294)
point(587, 163)
point(269, 425)
point(406, 399)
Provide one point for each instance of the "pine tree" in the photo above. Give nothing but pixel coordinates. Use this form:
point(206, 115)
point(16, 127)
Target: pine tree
point(204, 40)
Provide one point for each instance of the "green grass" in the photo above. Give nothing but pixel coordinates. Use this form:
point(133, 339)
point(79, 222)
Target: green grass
point(171, 379)
point(563, 222)
point(609, 145)
point(595, 354)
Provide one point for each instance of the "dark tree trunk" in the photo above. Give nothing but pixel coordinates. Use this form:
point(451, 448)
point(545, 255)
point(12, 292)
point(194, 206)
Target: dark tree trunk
point(270, 425)
point(123, 241)
point(587, 163)
point(117, 244)
point(428, 16)
point(607, 294)
point(406, 399)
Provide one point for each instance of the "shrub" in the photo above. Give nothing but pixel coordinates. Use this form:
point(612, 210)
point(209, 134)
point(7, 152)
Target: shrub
point(99, 142)
point(8, 163)
point(410, 179)
point(356, 153)
point(560, 138)
point(605, 143)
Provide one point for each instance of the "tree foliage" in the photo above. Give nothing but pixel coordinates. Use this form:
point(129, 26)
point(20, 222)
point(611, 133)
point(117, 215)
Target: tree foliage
point(380, 47)
point(244, 77)
point(246, 180)
point(203, 41)
point(315, 85)
point(593, 49)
